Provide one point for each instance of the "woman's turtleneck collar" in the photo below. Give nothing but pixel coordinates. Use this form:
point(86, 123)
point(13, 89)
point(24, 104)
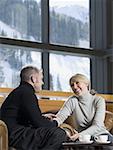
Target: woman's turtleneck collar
point(28, 84)
point(86, 96)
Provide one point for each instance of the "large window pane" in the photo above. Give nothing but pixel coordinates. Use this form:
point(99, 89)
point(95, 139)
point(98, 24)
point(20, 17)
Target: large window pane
point(12, 59)
point(69, 22)
point(20, 19)
point(62, 67)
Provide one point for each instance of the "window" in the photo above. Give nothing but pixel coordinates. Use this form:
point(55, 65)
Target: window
point(69, 22)
point(12, 59)
point(20, 19)
point(69, 25)
point(62, 67)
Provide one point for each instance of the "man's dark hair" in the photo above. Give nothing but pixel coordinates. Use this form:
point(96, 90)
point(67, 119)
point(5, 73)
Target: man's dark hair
point(27, 72)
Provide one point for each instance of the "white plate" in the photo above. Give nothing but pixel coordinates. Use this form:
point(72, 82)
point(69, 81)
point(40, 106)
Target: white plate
point(87, 142)
point(107, 142)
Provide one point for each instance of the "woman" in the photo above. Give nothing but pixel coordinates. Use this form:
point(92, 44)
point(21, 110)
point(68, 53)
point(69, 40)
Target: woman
point(88, 108)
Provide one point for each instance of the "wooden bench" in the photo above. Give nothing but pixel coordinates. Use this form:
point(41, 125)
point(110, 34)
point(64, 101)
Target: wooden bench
point(49, 100)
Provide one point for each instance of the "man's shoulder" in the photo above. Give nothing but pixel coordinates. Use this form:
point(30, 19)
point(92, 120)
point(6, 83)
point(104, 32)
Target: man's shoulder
point(22, 88)
point(18, 90)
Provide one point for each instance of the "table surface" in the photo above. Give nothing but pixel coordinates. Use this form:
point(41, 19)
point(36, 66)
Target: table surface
point(77, 144)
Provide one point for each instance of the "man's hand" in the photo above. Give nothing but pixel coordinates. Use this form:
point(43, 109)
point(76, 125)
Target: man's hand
point(50, 116)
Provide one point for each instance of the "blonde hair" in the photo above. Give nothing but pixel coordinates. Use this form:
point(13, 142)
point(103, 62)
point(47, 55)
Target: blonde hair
point(81, 78)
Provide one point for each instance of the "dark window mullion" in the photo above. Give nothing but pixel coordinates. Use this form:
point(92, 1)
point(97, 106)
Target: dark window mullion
point(45, 39)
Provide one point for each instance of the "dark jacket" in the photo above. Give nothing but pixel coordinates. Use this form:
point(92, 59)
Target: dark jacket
point(21, 109)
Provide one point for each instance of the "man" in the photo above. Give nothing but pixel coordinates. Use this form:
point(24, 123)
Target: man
point(28, 129)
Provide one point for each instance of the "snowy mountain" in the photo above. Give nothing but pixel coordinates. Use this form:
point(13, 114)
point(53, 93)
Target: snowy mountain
point(10, 32)
point(76, 11)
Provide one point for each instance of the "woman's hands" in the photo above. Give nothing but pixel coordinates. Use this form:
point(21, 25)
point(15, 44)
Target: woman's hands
point(74, 137)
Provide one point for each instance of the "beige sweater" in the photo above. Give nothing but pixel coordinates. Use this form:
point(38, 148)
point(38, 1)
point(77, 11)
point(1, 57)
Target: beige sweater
point(89, 111)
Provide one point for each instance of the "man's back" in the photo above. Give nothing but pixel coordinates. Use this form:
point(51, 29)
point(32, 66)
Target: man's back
point(21, 109)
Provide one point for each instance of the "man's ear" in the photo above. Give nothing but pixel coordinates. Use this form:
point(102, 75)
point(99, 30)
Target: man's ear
point(32, 80)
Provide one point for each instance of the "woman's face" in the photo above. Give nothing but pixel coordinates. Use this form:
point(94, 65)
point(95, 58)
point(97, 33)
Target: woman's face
point(79, 87)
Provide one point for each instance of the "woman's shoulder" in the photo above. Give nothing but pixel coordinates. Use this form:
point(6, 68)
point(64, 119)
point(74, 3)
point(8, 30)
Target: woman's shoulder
point(95, 95)
point(98, 99)
point(72, 99)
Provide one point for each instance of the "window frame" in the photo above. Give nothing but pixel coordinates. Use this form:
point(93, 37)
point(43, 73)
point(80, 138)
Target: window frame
point(99, 43)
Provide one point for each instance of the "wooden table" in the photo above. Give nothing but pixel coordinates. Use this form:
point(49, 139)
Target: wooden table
point(77, 144)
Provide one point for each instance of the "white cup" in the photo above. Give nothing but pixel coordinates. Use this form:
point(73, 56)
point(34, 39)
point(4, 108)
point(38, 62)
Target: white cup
point(85, 138)
point(101, 138)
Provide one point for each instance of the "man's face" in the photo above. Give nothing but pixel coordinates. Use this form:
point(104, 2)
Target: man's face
point(38, 81)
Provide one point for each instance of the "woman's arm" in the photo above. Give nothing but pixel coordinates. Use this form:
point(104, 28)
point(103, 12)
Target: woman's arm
point(65, 111)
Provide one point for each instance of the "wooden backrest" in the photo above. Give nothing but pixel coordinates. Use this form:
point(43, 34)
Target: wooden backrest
point(57, 98)
point(1, 100)
point(53, 94)
point(42, 93)
point(50, 105)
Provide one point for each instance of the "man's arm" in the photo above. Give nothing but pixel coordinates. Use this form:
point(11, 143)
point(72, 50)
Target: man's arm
point(31, 107)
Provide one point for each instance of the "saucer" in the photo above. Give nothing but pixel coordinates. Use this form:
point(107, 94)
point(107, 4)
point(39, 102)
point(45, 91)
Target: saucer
point(107, 142)
point(87, 142)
